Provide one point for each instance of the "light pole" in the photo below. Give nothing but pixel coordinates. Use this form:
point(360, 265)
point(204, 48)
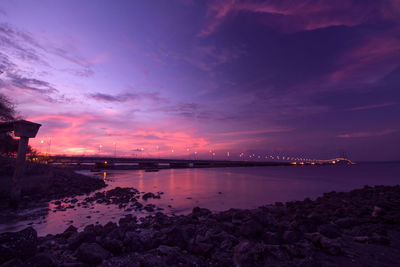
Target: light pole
point(115, 149)
point(41, 145)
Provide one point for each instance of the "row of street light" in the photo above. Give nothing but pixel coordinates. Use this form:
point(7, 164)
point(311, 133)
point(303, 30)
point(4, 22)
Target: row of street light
point(194, 154)
point(212, 154)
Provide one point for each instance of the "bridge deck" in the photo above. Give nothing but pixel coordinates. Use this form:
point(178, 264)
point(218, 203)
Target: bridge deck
point(160, 163)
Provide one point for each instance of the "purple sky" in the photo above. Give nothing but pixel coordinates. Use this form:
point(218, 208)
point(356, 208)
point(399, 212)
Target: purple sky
point(298, 78)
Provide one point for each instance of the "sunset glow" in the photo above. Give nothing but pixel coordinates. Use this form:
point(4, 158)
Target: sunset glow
point(209, 78)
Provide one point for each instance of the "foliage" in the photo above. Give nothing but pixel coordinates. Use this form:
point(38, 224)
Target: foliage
point(7, 111)
point(8, 145)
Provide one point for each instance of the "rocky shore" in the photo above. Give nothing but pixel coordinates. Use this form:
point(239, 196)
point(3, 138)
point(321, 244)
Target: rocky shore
point(44, 182)
point(357, 228)
point(41, 184)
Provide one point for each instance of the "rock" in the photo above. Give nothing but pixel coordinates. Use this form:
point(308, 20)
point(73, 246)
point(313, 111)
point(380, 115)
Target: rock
point(22, 244)
point(251, 229)
point(69, 231)
point(148, 195)
point(132, 241)
point(128, 220)
point(76, 240)
point(347, 222)
point(376, 212)
point(316, 218)
point(149, 208)
point(291, 237)
point(13, 263)
point(41, 260)
point(115, 246)
point(202, 248)
point(138, 205)
point(249, 254)
point(271, 238)
point(200, 212)
point(91, 253)
point(331, 246)
point(329, 230)
point(379, 239)
point(361, 239)
point(172, 255)
point(175, 236)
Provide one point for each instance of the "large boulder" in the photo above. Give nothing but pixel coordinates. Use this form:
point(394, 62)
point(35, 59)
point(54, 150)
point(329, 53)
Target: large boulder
point(20, 244)
point(91, 253)
point(41, 260)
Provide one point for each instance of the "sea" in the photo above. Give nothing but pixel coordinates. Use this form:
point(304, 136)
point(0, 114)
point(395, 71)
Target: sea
point(216, 189)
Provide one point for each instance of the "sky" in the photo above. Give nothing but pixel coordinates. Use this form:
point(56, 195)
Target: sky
point(310, 78)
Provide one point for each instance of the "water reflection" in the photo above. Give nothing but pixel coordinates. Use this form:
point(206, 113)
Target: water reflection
point(216, 189)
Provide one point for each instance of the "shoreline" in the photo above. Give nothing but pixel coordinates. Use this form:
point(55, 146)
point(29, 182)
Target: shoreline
point(360, 227)
point(40, 185)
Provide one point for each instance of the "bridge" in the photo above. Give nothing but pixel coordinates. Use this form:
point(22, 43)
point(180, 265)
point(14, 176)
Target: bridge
point(338, 161)
point(80, 162)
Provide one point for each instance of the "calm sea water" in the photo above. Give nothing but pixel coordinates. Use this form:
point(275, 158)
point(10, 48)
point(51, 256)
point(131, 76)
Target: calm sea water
point(218, 189)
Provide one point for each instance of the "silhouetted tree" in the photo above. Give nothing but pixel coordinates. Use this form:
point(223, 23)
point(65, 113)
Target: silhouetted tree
point(8, 145)
point(7, 111)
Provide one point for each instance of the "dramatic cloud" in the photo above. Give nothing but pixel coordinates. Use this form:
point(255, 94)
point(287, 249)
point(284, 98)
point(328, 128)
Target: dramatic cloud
point(152, 96)
point(366, 134)
point(374, 106)
point(31, 84)
point(276, 76)
point(291, 16)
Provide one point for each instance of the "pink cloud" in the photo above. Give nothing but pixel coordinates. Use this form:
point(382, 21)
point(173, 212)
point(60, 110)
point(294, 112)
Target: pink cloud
point(253, 132)
point(373, 59)
point(366, 134)
point(374, 106)
point(300, 15)
point(84, 133)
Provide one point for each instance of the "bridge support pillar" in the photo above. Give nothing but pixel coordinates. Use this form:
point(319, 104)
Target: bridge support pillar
point(24, 130)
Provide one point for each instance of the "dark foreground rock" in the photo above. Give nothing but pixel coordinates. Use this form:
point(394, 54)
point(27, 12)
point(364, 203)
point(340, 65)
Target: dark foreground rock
point(359, 228)
point(21, 245)
point(40, 184)
point(43, 182)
